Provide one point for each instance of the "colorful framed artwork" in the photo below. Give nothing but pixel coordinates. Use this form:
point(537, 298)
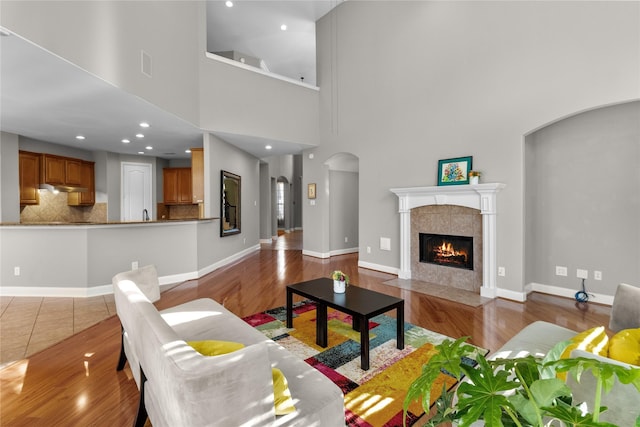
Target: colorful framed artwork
point(454, 171)
point(311, 191)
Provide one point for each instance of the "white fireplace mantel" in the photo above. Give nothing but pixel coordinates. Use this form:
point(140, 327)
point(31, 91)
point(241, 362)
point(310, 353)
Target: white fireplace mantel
point(480, 196)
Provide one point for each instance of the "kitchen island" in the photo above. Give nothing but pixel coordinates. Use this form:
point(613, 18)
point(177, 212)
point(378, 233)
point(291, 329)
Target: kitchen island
point(79, 259)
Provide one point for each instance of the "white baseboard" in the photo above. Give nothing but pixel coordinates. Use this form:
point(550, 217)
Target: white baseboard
point(512, 295)
point(379, 267)
point(227, 260)
point(56, 291)
point(316, 254)
point(266, 241)
point(343, 251)
point(570, 293)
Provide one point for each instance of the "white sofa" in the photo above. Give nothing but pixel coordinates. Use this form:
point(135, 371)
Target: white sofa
point(180, 387)
point(538, 338)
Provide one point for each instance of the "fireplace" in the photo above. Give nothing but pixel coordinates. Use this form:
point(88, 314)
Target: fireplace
point(449, 251)
point(482, 197)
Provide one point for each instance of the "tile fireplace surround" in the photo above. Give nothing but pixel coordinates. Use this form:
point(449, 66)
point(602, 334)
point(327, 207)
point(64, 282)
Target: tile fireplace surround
point(481, 197)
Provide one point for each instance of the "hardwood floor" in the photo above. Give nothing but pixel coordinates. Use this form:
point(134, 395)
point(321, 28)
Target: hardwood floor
point(75, 381)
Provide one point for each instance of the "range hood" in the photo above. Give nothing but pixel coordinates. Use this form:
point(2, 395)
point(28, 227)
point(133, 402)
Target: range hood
point(63, 188)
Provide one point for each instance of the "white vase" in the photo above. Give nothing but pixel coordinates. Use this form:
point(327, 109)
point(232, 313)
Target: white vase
point(339, 286)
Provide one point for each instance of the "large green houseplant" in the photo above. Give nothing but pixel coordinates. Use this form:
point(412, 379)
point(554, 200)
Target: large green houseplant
point(513, 392)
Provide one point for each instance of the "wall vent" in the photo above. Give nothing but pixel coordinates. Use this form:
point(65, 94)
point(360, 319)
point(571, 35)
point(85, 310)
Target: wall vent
point(145, 62)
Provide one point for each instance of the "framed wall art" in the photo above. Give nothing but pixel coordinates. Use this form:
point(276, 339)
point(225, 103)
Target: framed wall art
point(311, 191)
point(454, 171)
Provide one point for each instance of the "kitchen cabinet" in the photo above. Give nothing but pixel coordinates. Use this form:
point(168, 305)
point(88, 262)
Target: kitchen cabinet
point(87, 180)
point(177, 186)
point(58, 170)
point(197, 175)
point(29, 172)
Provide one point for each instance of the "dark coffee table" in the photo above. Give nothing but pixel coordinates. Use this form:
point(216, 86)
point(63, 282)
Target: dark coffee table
point(362, 304)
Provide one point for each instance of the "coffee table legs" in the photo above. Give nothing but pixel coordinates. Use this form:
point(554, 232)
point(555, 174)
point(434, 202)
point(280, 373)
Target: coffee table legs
point(289, 308)
point(364, 343)
point(321, 324)
point(400, 326)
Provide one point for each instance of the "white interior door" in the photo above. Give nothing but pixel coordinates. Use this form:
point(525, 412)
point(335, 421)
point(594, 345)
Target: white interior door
point(136, 191)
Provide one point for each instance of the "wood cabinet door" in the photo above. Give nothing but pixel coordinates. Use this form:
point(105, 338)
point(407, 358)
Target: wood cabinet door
point(197, 175)
point(184, 186)
point(86, 198)
point(54, 169)
point(29, 177)
point(73, 172)
point(89, 181)
point(170, 186)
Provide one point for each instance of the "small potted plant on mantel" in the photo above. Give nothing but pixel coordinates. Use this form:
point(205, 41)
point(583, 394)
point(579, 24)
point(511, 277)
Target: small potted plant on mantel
point(513, 392)
point(340, 281)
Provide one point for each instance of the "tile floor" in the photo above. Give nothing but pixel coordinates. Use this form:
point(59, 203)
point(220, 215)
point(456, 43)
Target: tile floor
point(31, 324)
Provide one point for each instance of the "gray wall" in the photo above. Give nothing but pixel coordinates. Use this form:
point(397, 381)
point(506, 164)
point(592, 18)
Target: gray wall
point(9, 188)
point(106, 39)
point(343, 199)
point(460, 78)
point(223, 156)
point(583, 199)
point(265, 202)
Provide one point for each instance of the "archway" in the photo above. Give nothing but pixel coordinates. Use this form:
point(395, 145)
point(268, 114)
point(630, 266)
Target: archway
point(343, 170)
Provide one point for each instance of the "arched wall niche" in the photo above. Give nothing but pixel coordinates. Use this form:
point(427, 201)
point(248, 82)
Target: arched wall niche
point(582, 201)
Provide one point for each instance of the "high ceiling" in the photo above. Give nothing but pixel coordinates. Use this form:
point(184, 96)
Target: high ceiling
point(47, 98)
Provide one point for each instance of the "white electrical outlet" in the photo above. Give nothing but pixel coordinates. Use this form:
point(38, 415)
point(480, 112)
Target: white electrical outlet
point(597, 275)
point(582, 274)
point(16, 271)
point(501, 271)
point(134, 265)
point(561, 271)
point(346, 239)
point(368, 249)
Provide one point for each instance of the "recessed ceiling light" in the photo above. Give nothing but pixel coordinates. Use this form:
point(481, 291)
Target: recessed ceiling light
point(268, 147)
point(126, 141)
point(187, 151)
point(144, 125)
point(139, 135)
point(140, 152)
point(283, 27)
point(80, 137)
point(229, 3)
point(148, 147)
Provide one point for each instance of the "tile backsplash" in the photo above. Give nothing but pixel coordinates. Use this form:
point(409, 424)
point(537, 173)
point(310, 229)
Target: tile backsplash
point(54, 208)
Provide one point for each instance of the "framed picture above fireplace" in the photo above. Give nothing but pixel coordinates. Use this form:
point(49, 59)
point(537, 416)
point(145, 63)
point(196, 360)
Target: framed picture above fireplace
point(454, 171)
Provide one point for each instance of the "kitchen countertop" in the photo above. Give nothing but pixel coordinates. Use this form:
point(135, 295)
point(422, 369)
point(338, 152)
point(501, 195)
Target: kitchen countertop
point(57, 223)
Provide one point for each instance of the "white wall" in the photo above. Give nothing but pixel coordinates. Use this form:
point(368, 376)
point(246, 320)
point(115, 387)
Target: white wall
point(405, 84)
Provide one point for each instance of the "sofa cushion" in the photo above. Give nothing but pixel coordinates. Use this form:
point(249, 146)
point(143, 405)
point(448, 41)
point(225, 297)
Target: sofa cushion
point(281, 394)
point(625, 312)
point(594, 340)
point(625, 346)
point(215, 347)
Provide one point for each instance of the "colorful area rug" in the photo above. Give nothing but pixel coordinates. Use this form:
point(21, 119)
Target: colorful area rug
point(374, 397)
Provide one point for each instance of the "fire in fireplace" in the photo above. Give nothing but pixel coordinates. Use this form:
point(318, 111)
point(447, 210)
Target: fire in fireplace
point(450, 251)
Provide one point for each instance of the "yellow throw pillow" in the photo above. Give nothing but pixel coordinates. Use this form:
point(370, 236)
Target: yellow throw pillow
point(594, 340)
point(281, 393)
point(215, 347)
point(625, 346)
